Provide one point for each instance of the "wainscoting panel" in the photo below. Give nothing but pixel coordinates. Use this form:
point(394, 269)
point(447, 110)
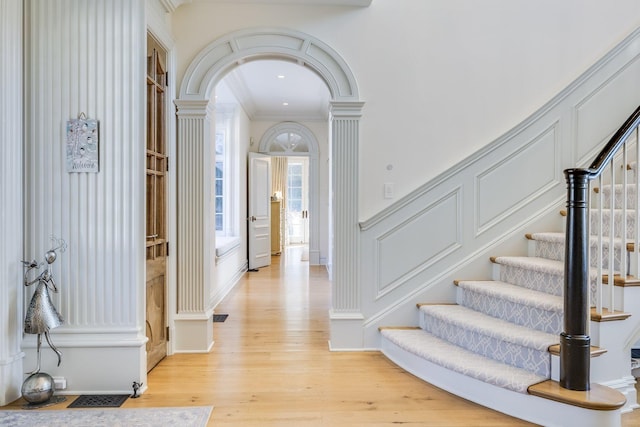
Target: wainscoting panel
point(422, 244)
point(618, 96)
point(412, 251)
point(533, 170)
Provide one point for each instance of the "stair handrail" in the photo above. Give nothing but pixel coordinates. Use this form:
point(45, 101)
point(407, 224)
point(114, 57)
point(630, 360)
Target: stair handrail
point(615, 143)
point(575, 343)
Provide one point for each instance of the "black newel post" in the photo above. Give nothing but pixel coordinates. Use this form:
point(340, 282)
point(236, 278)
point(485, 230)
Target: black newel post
point(575, 344)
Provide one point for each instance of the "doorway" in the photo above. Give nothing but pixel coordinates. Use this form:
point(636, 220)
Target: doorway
point(297, 202)
point(156, 205)
point(296, 151)
point(194, 127)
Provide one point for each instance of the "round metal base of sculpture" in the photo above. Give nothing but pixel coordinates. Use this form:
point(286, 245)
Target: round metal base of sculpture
point(37, 388)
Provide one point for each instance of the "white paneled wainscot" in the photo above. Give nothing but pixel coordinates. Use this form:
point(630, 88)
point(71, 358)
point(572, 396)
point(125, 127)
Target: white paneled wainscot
point(412, 251)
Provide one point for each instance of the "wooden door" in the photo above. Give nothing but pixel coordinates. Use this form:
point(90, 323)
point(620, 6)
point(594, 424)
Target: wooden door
point(156, 243)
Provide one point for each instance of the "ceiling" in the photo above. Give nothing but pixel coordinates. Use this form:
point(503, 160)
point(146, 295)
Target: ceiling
point(276, 90)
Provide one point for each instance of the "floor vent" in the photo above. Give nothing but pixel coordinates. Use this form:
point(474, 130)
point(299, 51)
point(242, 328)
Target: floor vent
point(220, 317)
point(99, 401)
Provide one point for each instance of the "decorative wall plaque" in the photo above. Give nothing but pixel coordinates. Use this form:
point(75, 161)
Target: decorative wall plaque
point(82, 145)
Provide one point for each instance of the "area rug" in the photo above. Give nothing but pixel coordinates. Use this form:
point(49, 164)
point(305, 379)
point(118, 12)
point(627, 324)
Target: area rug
point(191, 416)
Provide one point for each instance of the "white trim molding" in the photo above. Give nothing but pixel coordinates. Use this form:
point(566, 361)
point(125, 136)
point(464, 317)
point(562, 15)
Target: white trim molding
point(230, 51)
point(11, 252)
point(314, 176)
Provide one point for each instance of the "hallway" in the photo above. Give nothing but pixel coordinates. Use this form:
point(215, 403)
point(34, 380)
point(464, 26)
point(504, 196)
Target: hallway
point(270, 366)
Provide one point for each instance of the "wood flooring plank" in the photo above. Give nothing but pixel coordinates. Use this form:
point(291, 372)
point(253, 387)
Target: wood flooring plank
point(271, 366)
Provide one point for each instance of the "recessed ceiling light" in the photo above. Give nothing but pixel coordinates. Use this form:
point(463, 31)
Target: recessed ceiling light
point(285, 103)
point(280, 76)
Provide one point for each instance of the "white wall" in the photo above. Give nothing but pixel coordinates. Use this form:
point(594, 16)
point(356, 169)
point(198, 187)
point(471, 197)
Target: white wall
point(448, 228)
point(424, 112)
point(233, 264)
point(440, 79)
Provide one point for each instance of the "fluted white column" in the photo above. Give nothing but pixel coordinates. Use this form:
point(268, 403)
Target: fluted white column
point(196, 231)
point(89, 57)
point(346, 316)
point(11, 366)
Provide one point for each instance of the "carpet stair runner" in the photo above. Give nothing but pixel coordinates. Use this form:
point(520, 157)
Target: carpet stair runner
point(499, 332)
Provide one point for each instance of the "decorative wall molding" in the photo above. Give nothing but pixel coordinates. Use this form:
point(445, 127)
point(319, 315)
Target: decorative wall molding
point(395, 267)
point(196, 231)
point(80, 57)
point(506, 187)
point(11, 248)
point(536, 164)
point(590, 127)
point(314, 176)
point(198, 84)
point(293, 127)
point(213, 61)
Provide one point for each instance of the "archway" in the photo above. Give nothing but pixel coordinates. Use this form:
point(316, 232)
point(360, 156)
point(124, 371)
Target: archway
point(309, 149)
point(194, 174)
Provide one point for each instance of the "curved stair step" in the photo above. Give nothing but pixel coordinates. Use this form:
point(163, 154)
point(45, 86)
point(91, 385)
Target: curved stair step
point(540, 274)
point(515, 304)
point(455, 358)
point(485, 381)
point(490, 337)
point(600, 397)
point(551, 246)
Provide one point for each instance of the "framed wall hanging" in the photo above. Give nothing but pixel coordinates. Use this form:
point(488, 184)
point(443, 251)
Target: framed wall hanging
point(82, 146)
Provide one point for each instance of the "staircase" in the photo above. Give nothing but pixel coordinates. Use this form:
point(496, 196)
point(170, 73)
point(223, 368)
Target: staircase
point(499, 345)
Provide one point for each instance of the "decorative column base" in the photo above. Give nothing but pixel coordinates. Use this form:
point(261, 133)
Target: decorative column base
point(194, 333)
point(11, 375)
point(346, 331)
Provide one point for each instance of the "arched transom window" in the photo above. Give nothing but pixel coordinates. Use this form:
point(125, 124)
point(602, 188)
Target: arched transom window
point(289, 142)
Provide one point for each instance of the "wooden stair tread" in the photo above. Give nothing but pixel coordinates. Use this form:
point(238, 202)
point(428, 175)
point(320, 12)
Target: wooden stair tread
point(420, 304)
point(595, 351)
point(380, 328)
point(622, 282)
point(608, 316)
point(600, 398)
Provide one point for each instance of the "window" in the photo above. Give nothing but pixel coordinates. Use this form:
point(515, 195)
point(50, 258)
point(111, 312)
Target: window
point(220, 181)
point(226, 200)
point(294, 187)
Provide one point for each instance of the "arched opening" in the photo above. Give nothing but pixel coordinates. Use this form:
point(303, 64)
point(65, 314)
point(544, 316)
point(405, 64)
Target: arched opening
point(194, 111)
point(296, 140)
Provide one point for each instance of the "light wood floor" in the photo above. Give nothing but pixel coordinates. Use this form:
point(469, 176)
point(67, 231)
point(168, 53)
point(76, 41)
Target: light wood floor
point(271, 366)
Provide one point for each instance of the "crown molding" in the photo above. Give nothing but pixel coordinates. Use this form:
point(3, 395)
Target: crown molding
point(171, 5)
